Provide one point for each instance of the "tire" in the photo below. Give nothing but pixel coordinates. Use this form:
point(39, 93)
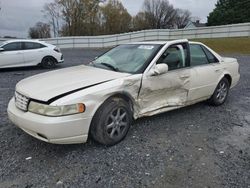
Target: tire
point(220, 94)
point(48, 63)
point(111, 122)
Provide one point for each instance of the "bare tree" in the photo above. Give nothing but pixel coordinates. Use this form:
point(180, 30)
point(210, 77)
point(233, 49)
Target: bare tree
point(116, 18)
point(53, 12)
point(80, 16)
point(139, 22)
point(182, 18)
point(160, 14)
point(40, 30)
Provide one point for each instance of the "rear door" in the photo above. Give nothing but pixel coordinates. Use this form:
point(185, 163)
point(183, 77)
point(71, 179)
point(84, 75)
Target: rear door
point(33, 53)
point(12, 55)
point(205, 72)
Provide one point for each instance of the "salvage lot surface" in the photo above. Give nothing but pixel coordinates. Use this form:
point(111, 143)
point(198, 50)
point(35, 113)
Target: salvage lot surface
point(197, 146)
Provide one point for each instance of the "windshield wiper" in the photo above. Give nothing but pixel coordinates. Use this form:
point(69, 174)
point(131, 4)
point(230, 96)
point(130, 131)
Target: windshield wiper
point(110, 66)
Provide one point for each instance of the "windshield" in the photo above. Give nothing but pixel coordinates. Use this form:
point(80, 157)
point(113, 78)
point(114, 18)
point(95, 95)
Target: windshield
point(129, 58)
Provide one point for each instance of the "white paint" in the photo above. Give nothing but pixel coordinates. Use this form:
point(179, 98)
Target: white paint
point(27, 57)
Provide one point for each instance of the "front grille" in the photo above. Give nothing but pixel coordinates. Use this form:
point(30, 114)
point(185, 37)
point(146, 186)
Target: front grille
point(21, 101)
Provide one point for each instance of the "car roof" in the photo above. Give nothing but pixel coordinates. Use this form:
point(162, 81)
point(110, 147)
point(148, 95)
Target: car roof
point(23, 40)
point(159, 42)
point(149, 42)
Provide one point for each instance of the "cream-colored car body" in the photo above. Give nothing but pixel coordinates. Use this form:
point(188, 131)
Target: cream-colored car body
point(92, 86)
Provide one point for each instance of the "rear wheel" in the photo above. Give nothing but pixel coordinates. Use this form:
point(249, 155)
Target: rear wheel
point(111, 122)
point(220, 93)
point(48, 63)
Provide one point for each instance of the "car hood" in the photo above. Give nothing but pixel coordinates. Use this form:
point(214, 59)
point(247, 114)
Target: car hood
point(48, 85)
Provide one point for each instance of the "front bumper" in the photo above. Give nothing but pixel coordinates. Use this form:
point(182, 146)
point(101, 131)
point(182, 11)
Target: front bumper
point(58, 130)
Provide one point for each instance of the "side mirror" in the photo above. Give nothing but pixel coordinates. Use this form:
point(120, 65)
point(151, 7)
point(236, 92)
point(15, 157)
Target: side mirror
point(1, 49)
point(159, 69)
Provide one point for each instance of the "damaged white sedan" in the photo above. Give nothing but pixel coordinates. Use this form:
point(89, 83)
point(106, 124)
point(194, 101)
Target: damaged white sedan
point(128, 82)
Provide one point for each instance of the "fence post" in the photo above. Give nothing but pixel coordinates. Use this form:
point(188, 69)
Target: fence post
point(249, 29)
point(229, 30)
point(195, 33)
point(211, 32)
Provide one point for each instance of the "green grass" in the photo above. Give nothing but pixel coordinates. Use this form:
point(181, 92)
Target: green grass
point(237, 45)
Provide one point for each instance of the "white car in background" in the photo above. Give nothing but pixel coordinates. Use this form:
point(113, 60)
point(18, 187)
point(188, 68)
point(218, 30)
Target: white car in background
point(20, 53)
point(128, 82)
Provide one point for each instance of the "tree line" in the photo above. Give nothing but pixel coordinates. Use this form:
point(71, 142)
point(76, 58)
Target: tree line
point(97, 17)
point(230, 12)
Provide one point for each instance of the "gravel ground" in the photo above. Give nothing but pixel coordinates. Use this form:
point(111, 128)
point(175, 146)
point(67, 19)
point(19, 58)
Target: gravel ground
point(197, 146)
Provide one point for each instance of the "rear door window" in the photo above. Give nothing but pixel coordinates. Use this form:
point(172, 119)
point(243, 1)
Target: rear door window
point(32, 45)
point(198, 56)
point(210, 56)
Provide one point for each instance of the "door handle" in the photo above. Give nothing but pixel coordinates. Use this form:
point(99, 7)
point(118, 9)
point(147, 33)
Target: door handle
point(184, 76)
point(218, 70)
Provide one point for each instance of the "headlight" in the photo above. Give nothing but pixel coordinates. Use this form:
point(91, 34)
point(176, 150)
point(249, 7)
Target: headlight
point(55, 111)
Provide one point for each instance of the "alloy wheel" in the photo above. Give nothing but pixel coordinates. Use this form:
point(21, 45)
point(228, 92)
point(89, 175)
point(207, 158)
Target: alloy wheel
point(117, 123)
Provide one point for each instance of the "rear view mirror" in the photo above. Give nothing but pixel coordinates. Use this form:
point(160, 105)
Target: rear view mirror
point(1, 49)
point(159, 69)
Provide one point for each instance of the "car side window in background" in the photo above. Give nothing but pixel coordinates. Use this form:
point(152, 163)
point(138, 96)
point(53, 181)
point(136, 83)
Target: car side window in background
point(175, 57)
point(32, 45)
point(210, 56)
point(14, 46)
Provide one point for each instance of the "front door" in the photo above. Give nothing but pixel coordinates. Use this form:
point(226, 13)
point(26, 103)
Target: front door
point(12, 55)
point(169, 90)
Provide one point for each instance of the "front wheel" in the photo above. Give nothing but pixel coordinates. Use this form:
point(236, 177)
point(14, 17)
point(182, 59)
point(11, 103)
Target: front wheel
point(111, 122)
point(220, 94)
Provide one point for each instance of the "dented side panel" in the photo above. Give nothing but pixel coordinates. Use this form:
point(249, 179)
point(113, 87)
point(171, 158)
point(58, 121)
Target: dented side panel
point(164, 92)
point(94, 97)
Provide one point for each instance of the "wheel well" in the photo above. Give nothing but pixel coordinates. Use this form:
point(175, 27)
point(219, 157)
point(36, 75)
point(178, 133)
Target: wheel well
point(49, 57)
point(125, 97)
point(229, 78)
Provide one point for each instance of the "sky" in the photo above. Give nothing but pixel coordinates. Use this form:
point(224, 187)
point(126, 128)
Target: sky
point(17, 16)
